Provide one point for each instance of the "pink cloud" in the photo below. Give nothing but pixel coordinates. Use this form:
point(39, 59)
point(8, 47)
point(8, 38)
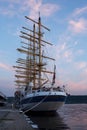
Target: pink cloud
point(49, 9)
point(78, 87)
point(67, 55)
point(63, 52)
point(10, 1)
point(80, 11)
point(79, 26)
point(7, 86)
point(81, 65)
point(77, 21)
point(5, 66)
point(37, 6)
point(7, 12)
point(74, 87)
point(32, 6)
point(80, 52)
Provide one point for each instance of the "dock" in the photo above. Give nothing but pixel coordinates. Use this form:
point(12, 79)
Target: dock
point(13, 119)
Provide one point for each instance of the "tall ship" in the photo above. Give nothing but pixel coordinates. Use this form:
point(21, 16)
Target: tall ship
point(35, 90)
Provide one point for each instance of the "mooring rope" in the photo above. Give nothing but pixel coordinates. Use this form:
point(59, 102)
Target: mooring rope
point(36, 104)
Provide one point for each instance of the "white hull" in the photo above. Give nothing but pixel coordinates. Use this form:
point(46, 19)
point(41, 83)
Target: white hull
point(49, 102)
point(53, 106)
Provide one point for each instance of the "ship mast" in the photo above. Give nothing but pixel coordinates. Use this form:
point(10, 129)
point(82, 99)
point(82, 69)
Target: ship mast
point(34, 50)
point(30, 69)
point(39, 40)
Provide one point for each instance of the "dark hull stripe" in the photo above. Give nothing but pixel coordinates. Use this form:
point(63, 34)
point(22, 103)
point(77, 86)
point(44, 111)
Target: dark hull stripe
point(51, 98)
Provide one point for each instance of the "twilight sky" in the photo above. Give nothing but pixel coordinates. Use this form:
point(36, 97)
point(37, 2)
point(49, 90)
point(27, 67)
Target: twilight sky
point(67, 20)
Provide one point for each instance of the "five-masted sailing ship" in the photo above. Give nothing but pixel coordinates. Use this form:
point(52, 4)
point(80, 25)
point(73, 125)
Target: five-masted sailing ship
point(33, 92)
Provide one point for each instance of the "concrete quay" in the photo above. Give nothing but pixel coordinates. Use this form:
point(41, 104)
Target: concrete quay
point(12, 119)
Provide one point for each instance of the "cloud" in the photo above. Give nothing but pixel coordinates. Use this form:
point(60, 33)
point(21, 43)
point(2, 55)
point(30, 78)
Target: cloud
point(10, 1)
point(7, 86)
point(80, 52)
point(64, 52)
point(36, 6)
point(81, 65)
point(33, 7)
point(77, 88)
point(49, 9)
point(79, 11)
point(68, 70)
point(68, 55)
point(77, 22)
point(6, 67)
point(5, 11)
point(8, 9)
point(79, 26)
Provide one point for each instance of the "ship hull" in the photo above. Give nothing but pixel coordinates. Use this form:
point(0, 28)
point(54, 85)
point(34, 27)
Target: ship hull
point(45, 101)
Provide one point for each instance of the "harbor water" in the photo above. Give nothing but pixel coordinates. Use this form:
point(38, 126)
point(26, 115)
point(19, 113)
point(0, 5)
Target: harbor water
point(69, 117)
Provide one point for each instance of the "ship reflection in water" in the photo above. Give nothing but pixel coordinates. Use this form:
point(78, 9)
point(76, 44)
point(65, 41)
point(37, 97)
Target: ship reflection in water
point(47, 121)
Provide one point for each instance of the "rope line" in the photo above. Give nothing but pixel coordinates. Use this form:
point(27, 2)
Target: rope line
point(36, 104)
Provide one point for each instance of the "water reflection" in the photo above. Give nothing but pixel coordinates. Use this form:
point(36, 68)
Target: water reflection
point(47, 121)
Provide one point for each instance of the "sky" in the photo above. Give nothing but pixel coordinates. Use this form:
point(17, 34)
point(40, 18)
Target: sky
point(67, 20)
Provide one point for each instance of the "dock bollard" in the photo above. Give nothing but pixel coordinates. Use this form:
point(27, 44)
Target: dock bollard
point(12, 106)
